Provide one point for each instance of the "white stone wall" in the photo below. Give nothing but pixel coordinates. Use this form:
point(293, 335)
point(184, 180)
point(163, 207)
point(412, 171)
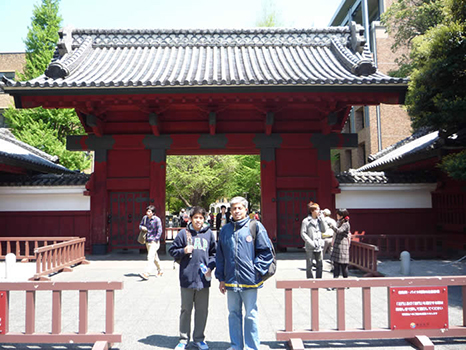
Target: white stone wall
point(355, 196)
point(44, 198)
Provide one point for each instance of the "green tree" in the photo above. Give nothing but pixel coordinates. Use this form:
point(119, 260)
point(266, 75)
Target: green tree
point(405, 20)
point(201, 180)
point(436, 96)
point(246, 179)
point(46, 129)
point(41, 39)
point(198, 180)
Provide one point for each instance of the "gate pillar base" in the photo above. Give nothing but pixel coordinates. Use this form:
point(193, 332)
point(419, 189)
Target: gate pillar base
point(99, 249)
point(422, 342)
point(296, 344)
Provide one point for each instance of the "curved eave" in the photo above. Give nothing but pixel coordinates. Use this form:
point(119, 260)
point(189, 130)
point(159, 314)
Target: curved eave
point(400, 88)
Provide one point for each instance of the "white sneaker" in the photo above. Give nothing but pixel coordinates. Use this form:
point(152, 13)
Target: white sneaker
point(201, 345)
point(144, 276)
point(180, 346)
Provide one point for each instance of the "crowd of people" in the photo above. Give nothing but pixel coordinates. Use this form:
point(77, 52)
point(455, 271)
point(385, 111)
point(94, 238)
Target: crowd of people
point(239, 261)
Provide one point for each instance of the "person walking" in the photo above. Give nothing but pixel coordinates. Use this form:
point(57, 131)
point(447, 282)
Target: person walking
point(222, 218)
point(195, 248)
point(241, 263)
point(153, 225)
point(340, 253)
point(312, 228)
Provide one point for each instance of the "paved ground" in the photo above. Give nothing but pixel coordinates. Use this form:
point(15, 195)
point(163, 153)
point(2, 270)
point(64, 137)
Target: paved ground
point(147, 311)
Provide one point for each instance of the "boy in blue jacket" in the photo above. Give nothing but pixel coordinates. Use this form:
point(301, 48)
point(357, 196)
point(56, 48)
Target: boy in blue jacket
point(192, 247)
point(241, 263)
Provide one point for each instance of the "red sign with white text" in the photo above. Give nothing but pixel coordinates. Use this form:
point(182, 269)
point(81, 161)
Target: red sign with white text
point(418, 307)
point(2, 312)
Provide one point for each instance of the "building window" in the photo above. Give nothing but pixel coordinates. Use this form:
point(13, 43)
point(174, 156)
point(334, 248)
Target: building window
point(348, 160)
point(359, 119)
point(361, 155)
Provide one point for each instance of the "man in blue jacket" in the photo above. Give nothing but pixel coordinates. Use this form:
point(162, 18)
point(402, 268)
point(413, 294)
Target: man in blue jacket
point(241, 263)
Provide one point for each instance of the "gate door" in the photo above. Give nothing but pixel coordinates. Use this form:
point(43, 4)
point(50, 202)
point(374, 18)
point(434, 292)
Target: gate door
point(292, 209)
point(126, 212)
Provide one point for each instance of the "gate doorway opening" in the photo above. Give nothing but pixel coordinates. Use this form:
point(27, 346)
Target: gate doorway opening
point(210, 181)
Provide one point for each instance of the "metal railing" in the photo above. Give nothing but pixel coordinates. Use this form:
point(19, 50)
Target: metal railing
point(56, 335)
point(366, 331)
point(59, 257)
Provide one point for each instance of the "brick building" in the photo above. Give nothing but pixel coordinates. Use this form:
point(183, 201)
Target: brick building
point(377, 126)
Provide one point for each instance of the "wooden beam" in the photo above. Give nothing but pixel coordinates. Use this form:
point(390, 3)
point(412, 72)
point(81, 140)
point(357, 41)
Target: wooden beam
point(95, 123)
point(154, 123)
point(212, 122)
point(269, 120)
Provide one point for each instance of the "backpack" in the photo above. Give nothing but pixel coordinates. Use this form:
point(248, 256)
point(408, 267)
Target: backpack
point(273, 265)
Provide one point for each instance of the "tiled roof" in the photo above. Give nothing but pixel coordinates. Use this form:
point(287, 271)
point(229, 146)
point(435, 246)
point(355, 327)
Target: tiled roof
point(19, 154)
point(380, 177)
point(415, 144)
point(76, 179)
point(334, 56)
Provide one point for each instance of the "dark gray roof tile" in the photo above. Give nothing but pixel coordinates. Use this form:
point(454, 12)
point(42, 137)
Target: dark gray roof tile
point(216, 57)
point(76, 179)
point(380, 177)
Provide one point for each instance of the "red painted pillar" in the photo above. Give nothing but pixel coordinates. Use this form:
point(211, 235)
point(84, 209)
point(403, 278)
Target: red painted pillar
point(269, 192)
point(158, 171)
point(99, 204)
point(325, 191)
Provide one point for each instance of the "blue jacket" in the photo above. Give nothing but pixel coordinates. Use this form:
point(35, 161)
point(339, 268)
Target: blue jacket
point(240, 263)
point(204, 252)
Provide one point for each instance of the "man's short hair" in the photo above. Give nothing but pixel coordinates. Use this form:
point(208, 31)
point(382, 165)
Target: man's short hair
point(197, 210)
point(240, 200)
point(151, 208)
point(312, 206)
point(222, 207)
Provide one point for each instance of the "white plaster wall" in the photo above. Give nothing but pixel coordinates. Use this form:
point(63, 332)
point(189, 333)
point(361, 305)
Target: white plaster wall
point(44, 199)
point(385, 196)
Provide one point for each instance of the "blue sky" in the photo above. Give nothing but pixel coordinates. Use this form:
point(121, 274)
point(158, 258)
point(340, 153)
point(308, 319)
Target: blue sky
point(15, 15)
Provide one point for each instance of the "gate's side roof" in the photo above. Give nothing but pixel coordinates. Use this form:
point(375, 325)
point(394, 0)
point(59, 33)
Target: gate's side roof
point(19, 154)
point(333, 56)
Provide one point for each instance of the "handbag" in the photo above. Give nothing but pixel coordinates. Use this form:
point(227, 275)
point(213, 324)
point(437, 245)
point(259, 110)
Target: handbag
point(142, 234)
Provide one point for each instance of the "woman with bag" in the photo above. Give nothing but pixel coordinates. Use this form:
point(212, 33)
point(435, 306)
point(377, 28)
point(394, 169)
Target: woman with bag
point(153, 225)
point(340, 253)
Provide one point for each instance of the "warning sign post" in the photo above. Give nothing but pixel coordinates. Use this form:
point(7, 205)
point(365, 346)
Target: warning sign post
point(418, 307)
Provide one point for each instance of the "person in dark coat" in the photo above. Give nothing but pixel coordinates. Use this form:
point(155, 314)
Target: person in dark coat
point(195, 250)
point(222, 218)
point(340, 253)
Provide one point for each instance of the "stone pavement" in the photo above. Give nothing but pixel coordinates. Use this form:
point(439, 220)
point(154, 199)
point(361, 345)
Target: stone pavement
point(147, 312)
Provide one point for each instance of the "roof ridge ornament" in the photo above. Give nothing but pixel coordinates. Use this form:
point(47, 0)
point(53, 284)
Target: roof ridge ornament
point(358, 40)
point(70, 60)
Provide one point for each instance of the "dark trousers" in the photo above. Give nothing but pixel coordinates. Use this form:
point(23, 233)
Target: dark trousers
point(310, 256)
point(336, 270)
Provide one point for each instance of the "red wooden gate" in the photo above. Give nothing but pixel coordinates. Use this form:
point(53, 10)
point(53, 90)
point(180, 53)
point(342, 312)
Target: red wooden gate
point(292, 209)
point(125, 212)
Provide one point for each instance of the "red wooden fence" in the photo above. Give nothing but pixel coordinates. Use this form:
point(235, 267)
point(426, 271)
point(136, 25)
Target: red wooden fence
point(295, 337)
point(24, 247)
point(59, 257)
point(56, 335)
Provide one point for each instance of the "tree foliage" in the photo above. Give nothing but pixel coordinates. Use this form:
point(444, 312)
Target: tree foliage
point(46, 129)
point(201, 180)
point(41, 39)
point(436, 96)
point(407, 19)
point(41, 128)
